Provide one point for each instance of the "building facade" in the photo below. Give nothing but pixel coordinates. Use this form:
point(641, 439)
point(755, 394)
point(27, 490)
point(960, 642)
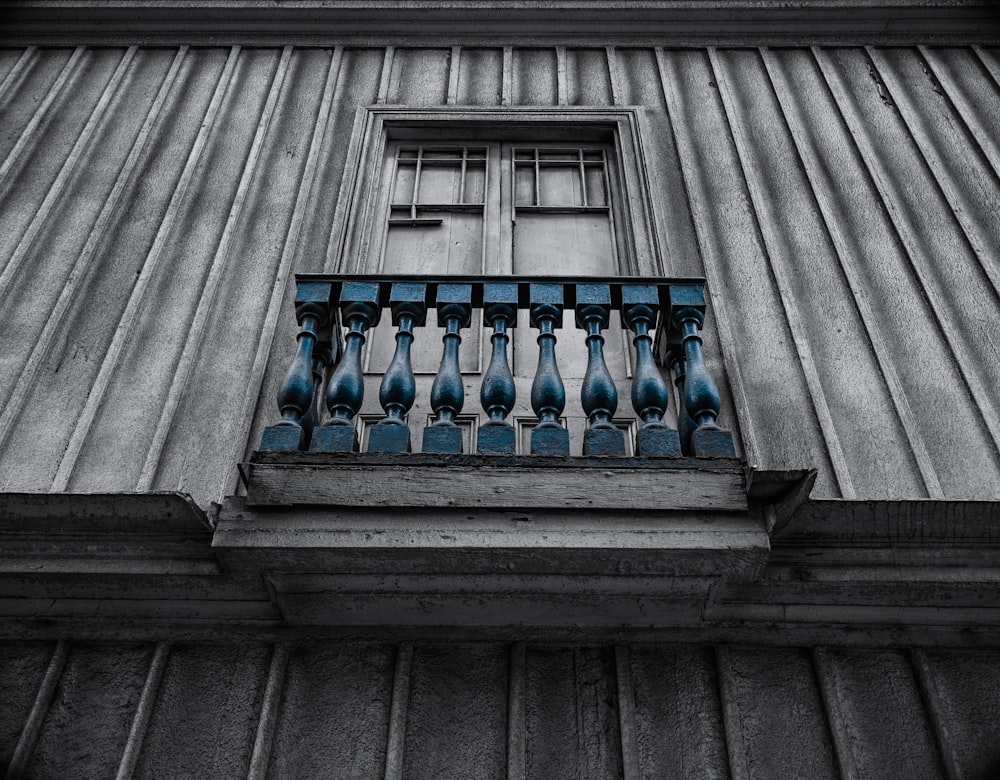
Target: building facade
point(194, 194)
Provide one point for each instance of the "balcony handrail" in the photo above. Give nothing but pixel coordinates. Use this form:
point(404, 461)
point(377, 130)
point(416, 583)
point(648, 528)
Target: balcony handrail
point(336, 311)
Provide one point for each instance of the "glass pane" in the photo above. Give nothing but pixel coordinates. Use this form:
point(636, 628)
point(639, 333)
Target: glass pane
point(524, 185)
point(440, 183)
point(403, 186)
point(560, 186)
point(596, 186)
point(475, 183)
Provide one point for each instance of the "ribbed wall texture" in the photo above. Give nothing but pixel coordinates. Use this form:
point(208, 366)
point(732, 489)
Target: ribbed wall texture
point(350, 710)
point(841, 202)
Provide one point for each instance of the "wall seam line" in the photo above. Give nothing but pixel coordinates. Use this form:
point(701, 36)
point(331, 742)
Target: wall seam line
point(127, 321)
point(267, 720)
point(386, 75)
point(732, 727)
point(631, 769)
point(39, 709)
point(396, 741)
point(507, 79)
point(931, 698)
point(829, 693)
point(454, 65)
point(516, 712)
point(143, 712)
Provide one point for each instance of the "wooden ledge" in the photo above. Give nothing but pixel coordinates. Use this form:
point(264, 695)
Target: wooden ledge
point(483, 482)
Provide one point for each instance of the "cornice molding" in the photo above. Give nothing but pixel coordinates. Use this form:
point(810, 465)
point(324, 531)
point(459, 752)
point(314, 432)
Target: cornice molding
point(523, 22)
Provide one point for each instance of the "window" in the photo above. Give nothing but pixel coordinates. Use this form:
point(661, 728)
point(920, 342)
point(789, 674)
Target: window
point(501, 197)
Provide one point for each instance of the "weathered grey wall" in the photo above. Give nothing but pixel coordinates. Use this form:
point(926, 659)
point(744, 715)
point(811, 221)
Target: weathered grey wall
point(339, 709)
point(841, 202)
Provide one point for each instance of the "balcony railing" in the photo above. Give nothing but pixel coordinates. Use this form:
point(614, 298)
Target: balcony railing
point(323, 389)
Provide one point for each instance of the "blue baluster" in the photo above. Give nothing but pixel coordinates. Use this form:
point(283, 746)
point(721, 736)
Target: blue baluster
point(322, 357)
point(650, 394)
point(399, 388)
point(498, 437)
point(295, 396)
point(360, 307)
point(454, 308)
point(598, 395)
point(548, 395)
point(674, 355)
point(701, 397)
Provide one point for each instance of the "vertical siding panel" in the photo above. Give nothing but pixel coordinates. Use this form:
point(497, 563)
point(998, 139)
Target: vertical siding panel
point(206, 712)
point(251, 398)
point(143, 712)
point(572, 719)
point(334, 713)
point(480, 78)
point(772, 702)
point(143, 280)
point(507, 88)
point(804, 254)
point(195, 335)
point(87, 725)
point(22, 669)
point(33, 724)
point(958, 291)
point(678, 719)
point(79, 265)
point(588, 80)
point(888, 301)
point(741, 273)
point(534, 77)
point(829, 686)
point(927, 685)
point(456, 723)
point(964, 695)
point(57, 402)
point(886, 726)
point(420, 77)
point(66, 171)
point(968, 183)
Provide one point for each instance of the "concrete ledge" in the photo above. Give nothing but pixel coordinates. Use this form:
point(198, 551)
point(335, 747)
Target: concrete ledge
point(492, 483)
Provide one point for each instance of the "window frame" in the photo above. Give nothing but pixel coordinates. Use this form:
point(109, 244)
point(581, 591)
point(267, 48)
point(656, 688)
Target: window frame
point(356, 231)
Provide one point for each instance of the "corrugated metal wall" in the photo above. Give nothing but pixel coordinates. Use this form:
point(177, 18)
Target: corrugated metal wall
point(841, 202)
point(335, 709)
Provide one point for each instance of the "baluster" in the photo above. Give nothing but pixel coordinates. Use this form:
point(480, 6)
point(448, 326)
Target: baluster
point(399, 388)
point(548, 396)
point(650, 394)
point(361, 309)
point(312, 305)
point(454, 309)
point(701, 397)
point(498, 437)
point(322, 357)
point(674, 354)
point(598, 394)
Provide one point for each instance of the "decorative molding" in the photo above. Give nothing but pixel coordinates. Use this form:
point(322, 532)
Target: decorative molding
point(524, 22)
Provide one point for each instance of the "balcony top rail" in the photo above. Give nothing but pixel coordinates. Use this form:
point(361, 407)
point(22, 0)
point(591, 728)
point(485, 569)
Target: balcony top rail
point(323, 389)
